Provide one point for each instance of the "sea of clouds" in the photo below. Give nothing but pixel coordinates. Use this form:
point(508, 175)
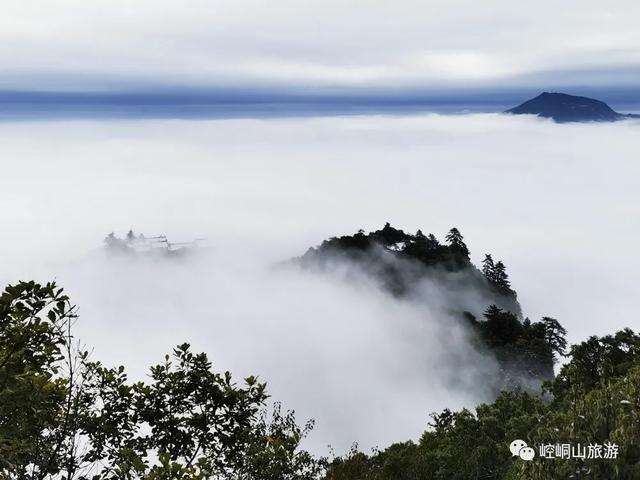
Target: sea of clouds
point(557, 203)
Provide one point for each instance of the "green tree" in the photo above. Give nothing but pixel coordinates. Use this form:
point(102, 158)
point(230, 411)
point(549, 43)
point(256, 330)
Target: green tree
point(36, 404)
point(488, 267)
point(63, 416)
point(433, 242)
point(455, 240)
point(595, 401)
point(500, 277)
point(554, 335)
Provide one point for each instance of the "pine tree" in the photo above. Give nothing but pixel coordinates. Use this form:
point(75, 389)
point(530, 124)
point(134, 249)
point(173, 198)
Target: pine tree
point(554, 335)
point(433, 242)
point(454, 237)
point(456, 241)
point(493, 311)
point(500, 277)
point(488, 267)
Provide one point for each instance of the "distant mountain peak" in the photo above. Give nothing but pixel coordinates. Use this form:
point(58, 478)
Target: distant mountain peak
point(563, 107)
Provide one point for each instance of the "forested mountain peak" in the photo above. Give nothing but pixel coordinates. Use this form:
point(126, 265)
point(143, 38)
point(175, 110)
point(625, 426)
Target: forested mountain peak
point(418, 266)
point(401, 260)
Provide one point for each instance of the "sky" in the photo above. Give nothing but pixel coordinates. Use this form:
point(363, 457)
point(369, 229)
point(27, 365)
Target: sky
point(318, 46)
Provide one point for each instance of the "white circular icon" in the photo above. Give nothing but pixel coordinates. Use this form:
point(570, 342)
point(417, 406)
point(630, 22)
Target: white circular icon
point(515, 447)
point(527, 453)
point(519, 448)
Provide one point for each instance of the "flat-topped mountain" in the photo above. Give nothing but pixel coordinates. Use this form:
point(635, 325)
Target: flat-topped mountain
point(562, 107)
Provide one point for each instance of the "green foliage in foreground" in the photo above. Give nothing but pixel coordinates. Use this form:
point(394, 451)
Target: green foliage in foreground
point(63, 416)
point(594, 399)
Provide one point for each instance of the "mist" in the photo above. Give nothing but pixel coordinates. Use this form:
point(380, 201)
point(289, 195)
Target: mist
point(557, 203)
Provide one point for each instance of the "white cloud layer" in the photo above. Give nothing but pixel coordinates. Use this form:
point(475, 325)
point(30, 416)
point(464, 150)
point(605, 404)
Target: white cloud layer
point(558, 203)
point(71, 44)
